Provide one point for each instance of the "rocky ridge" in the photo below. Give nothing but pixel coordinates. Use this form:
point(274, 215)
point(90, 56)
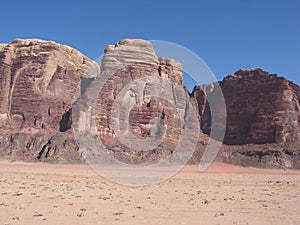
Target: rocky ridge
point(40, 81)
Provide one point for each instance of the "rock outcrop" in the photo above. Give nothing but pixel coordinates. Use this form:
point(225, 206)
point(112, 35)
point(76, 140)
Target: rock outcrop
point(149, 97)
point(46, 89)
point(274, 155)
point(262, 119)
point(39, 81)
point(261, 108)
point(46, 147)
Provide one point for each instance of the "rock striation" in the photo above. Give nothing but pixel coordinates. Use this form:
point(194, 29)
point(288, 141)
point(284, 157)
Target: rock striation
point(39, 81)
point(149, 95)
point(262, 118)
point(141, 97)
point(261, 108)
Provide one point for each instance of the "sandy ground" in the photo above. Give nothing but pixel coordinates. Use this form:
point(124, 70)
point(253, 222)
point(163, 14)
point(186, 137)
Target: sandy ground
point(75, 194)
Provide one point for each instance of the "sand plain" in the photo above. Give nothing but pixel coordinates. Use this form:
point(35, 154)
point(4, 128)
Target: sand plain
point(37, 193)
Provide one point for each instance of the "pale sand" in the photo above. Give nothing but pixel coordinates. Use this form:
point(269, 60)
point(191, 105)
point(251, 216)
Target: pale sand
point(75, 194)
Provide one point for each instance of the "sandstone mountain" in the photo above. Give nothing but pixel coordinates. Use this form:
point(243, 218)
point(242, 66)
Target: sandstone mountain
point(39, 80)
point(43, 83)
point(263, 118)
point(153, 105)
point(261, 108)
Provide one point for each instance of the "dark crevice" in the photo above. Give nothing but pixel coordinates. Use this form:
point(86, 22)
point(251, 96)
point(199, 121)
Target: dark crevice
point(43, 149)
point(66, 121)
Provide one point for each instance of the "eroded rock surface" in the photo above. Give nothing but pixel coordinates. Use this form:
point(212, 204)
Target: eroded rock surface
point(39, 82)
point(262, 119)
point(150, 98)
point(261, 108)
point(140, 96)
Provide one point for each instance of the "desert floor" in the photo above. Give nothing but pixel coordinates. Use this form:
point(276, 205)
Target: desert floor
point(75, 194)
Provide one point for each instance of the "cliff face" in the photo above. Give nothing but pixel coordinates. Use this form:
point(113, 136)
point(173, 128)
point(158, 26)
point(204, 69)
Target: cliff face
point(39, 80)
point(38, 83)
point(140, 97)
point(149, 97)
point(261, 108)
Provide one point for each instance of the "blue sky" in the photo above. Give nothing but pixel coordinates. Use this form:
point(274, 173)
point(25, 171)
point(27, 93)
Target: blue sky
point(226, 34)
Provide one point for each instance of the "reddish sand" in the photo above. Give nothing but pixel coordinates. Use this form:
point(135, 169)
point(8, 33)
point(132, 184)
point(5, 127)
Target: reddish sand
point(74, 194)
point(219, 167)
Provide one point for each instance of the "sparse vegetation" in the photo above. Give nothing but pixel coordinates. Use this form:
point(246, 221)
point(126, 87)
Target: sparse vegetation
point(118, 213)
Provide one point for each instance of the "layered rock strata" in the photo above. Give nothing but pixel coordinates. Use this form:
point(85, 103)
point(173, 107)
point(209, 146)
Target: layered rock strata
point(261, 108)
point(149, 97)
point(138, 97)
point(39, 82)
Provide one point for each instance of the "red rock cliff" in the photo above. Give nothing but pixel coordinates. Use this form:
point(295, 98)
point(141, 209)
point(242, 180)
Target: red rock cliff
point(261, 108)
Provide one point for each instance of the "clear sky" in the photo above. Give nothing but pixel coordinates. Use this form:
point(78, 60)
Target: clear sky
point(226, 34)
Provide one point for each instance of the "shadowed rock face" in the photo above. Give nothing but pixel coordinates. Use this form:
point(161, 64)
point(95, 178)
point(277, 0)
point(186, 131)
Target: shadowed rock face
point(59, 148)
point(261, 108)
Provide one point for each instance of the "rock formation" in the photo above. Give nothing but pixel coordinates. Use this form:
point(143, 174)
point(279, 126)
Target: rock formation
point(262, 118)
point(151, 102)
point(47, 89)
point(38, 83)
point(261, 108)
point(39, 80)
